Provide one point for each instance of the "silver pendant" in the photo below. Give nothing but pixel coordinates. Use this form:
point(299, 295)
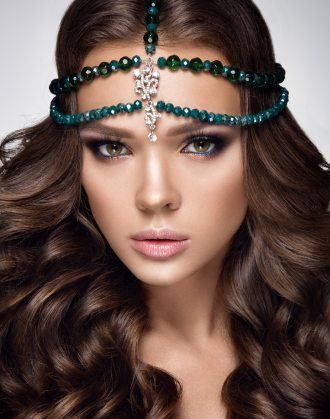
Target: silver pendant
point(146, 83)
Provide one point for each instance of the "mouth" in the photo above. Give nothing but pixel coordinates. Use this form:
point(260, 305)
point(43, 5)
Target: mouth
point(159, 243)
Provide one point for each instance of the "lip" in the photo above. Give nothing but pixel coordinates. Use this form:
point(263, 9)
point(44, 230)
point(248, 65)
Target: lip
point(159, 243)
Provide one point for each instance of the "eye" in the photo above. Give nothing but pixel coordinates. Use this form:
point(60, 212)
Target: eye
point(112, 149)
point(203, 145)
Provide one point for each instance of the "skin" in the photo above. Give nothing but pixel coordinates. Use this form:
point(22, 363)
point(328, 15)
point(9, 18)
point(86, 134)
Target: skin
point(159, 185)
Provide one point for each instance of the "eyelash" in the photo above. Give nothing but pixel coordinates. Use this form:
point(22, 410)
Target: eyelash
point(218, 142)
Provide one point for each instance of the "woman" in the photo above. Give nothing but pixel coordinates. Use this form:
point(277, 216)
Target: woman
point(187, 276)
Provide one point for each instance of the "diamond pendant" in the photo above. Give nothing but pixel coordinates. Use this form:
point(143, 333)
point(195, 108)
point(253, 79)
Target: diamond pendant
point(146, 83)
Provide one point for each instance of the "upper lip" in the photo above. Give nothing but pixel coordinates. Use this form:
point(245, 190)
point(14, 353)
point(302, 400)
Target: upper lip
point(163, 234)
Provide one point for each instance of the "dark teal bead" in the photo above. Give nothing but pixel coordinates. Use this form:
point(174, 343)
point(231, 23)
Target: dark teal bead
point(242, 75)
point(184, 63)
point(256, 80)
point(173, 62)
point(74, 80)
point(129, 107)
point(150, 48)
point(104, 111)
point(169, 108)
point(233, 74)
point(120, 108)
point(95, 70)
point(255, 120)
point(261, 117)
point(203, 115)
point(81, 118)
point(249, 77)
point(125, 64)
point(238, 120)
point(151, 27)
point(196, 65)
point(160, 106)
point(225, 71)
point(225, 119)
point(53, 87)
point(194, 113)
point(153, 10)
point(244, 120)
point(79, 77)
point(259, 80)
point(177, 111)
point(267, 114)
point(186, 112)
point(98, 113)
point(161, 62)
point(67, 119)
point(67, 82)
point(113, 110)
point(92, 114)
point(87, 74)
point(105, 69)
point(270, 79)
point(63, 85)
point(86, 116)
point(150, 38)
point(231, 121)
point(152, 18)
point(136, 60)
point(211, 117)
point(153, 3)
point(138, 105)
point(218, 118)
point(114, 65)
point(76, 119)
point(250, 119)
point(207, 65)
point(216, 68)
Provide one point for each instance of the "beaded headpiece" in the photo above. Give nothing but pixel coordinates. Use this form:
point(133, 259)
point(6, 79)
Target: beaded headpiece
point(147, 81)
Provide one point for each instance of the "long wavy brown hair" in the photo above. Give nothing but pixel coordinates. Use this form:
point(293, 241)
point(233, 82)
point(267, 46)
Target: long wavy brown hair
point(71, 314)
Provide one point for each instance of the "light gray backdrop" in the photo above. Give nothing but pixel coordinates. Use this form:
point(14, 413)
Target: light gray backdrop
point(300, 31)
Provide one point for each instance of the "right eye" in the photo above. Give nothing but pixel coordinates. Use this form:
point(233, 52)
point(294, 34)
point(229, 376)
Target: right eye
point(112, 149)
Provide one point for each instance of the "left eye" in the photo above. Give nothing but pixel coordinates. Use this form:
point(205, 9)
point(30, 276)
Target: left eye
point(112, 149)
point(200, 147)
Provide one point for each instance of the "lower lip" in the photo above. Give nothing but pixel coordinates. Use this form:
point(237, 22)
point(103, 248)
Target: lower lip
point(159, 248)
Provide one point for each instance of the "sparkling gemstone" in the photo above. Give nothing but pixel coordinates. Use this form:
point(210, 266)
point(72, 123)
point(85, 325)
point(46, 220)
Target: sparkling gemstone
point(95, 70)
point(92, 114)
point(153, 91)
point(216, 68)
point(151, 37)
point(173, 62)
point(125, 64)
point(152, 18)
point(160, 105)
point(114, 65)
point(244, 120)
point(138, 104)
point(249, 77)
point(194, 113)
point(259, 80)
point(74, 80)
point(238, 120)
point(186, 112)
point(136, 74)
point(207, 65)
point(129, 108)
point(184, 63)
point(150, 48)
point(87, 74)
point(53, 88)
point(177, 111)
point(120, 108)
point(211, 117)
point(63, 85)
point(161, 62)
point(225, 71)
point(155, 74)
point(136, 60)
point(233, 74)
point(153, 3)
point(203, 115)
point(151, 27)
point(105, 69)
point(250, 119)
point(195, 65)
point(218, 119)
point(153, 10)
point(152, 137)
point(241, 76)
point(104, 111)
point(98, 114)
point(225, 119)
point(169, 108)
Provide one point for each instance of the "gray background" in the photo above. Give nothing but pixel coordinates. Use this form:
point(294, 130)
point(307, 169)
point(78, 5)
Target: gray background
point(300, 31)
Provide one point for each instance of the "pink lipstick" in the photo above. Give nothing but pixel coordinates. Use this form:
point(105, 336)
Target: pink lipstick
point(159, 243)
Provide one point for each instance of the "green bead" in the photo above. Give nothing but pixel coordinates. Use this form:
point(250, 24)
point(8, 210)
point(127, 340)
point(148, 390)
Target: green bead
point(136, 60)
point(194, 113)
point(249, 77)
point(105, 111)
point(231, 121)
point(74, 80)
point(241, 76)
point(92, 114)
point(114, 65)
point(151, 27)
point(160, 106)
point(196, 65)
point(129, 108)
point(203, 115)
point(216, 68)
point(153, 3)
point(225, 71)
point(238, 120)
point(225, 119)
point(98, 113)
point(173, 62)
point(125, 64)
point(218, 119)
point(67, 120)
point(105, 69)
point(259, 80)
point(244, 120)
point(177, 111)
point(161, 62)
point(186, 112)
point(169, 108)
point(152, 18)
point(87, 74)
point(211, 117)
point(86, 116)
point(150, 37)
point(63, 85)
point(270, 79)
point(113, 110)
point(153, 10)
point(233, 74)
point(250, 119)
point(150, 48)
point(184, 63)
point(95, 70)
point(120, 108)
point(80, 78)
point(138, 104)
point(207, 65)
point(53, 87)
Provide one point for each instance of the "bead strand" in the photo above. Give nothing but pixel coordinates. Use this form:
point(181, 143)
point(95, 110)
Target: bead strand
point(176, 110)
point(152, 20)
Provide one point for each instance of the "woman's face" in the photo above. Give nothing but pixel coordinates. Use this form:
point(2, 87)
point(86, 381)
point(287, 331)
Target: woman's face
point(134, 185)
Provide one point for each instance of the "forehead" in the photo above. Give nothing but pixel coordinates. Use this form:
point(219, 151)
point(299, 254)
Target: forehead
point(181, 87)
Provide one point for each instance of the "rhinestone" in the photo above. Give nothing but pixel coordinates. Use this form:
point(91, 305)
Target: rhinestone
point(155, 74)
point(136, 74)
point(152, 137)
point(153, 91)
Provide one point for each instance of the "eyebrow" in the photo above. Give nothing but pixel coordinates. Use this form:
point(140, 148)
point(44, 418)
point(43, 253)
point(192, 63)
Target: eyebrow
point(106, 130)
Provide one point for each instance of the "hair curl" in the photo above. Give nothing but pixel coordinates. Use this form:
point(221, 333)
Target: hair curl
point(71, 314)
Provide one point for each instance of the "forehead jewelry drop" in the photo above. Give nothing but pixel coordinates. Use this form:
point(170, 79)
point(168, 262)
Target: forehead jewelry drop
point(146, 83)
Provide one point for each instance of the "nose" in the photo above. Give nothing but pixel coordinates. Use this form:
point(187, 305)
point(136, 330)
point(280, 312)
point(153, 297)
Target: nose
point(158, 189)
